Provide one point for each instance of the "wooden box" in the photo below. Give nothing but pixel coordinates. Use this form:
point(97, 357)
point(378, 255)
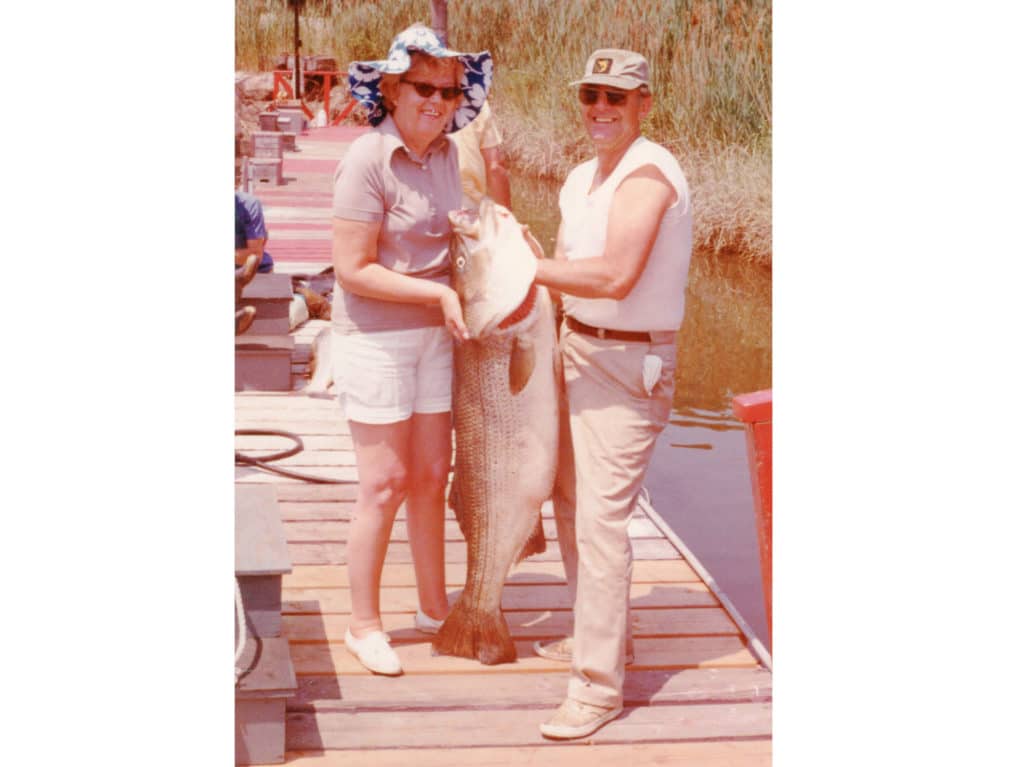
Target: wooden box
point(267, 121)
point(264, 169)
point(260, 699)
point(267, 144)
point(263, 363)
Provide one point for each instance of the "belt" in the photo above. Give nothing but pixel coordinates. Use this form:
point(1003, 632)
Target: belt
point(614, 335)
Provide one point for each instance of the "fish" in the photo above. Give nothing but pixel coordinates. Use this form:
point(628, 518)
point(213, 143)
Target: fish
point(505, 411)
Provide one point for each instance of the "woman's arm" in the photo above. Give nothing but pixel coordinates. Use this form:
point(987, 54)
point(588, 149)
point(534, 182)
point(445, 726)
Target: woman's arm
point(354, 254)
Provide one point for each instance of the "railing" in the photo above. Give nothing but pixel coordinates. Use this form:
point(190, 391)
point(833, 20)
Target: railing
point(283, 86)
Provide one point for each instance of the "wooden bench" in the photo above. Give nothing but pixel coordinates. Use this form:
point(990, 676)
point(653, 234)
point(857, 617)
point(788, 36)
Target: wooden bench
point(270, 294)
point(268, 678)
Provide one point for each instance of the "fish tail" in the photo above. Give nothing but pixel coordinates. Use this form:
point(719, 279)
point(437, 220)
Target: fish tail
point(535, 544)
point(471, 632)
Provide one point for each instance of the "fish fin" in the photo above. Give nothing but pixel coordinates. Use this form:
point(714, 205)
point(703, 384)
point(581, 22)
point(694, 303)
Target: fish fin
point(469, 632)
point(535, 544)
point(520, 364)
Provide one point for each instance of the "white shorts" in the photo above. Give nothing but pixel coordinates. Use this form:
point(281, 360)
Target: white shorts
point(387, 375)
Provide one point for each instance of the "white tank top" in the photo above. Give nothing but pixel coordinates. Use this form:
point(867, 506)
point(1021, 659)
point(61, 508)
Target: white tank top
point(658, 299)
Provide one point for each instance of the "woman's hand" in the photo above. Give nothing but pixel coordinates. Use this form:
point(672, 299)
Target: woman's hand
point(453, 320)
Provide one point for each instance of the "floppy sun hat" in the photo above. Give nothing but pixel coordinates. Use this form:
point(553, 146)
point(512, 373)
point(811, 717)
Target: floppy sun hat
point(364, 76)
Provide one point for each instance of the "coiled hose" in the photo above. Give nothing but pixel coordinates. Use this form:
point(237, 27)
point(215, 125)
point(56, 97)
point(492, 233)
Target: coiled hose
point(241, 459)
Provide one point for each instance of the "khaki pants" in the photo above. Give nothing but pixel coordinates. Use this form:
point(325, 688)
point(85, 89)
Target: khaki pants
point(613, 424)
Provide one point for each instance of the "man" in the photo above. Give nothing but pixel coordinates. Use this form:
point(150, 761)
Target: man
point(250, 239)
point(250, 232)
point(482, 165)
point(621, 261)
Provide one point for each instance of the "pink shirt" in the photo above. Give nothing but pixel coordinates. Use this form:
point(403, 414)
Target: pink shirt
point(378, 180)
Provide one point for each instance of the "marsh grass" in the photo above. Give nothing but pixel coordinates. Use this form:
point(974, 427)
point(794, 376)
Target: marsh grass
point(711, 75)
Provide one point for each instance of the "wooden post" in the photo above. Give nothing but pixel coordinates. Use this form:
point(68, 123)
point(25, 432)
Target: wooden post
point(297, 5)
point(439, 20)
point(755, 410)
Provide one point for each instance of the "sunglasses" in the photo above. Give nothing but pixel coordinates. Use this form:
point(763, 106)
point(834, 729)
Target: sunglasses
point(426, 90)
point(589, 96)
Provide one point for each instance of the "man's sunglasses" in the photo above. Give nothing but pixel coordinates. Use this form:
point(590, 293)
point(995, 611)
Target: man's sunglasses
point(589, 96)
point(426, 90)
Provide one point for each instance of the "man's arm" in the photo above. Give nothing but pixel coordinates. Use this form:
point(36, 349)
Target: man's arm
point(637, 208)
point(251, 246)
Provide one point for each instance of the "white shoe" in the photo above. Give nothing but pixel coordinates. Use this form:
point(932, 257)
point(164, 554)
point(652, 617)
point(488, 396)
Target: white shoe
point(575, 719)
point(426, 624)
point(374, 651)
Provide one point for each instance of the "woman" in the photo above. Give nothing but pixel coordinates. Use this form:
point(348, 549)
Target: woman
point(395, 315)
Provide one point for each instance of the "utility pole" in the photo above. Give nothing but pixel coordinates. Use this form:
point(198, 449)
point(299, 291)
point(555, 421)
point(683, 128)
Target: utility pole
point(439, 20)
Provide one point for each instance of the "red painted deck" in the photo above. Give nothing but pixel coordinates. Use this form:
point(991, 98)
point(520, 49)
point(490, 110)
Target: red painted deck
point(298, 213)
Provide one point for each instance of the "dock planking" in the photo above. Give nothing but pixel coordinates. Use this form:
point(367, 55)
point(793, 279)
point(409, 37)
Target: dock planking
point(695, 693)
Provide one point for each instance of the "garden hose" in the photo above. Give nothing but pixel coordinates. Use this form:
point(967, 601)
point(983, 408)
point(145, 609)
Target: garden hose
point(263, 463)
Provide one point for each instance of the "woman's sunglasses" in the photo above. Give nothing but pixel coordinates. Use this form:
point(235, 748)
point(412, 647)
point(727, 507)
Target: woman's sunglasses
point(589, 96)
point(426, 90)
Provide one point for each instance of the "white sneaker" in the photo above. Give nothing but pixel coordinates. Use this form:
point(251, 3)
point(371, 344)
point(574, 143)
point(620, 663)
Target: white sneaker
point(374, 651)
point(426, 624)
point(575, 719)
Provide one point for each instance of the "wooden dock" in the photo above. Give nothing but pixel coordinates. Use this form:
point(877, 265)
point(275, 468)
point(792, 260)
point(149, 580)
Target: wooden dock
point(698, 692)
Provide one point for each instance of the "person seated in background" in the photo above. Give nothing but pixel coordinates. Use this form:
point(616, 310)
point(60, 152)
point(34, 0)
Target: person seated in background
point(250, 232)
point(482, 164)
point(250, 257)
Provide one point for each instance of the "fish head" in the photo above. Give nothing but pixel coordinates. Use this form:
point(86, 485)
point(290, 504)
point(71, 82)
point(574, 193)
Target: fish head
point(493, 268)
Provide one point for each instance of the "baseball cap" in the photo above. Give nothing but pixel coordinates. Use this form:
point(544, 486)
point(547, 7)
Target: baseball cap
point(616, 68)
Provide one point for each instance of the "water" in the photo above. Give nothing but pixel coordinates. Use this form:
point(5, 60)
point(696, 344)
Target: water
point(698, 479)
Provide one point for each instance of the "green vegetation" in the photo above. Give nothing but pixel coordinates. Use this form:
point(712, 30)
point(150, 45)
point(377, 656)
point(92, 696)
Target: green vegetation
point(711, 75)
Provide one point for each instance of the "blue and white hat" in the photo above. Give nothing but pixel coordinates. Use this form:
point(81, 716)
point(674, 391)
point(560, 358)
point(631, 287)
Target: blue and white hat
point(477, 72)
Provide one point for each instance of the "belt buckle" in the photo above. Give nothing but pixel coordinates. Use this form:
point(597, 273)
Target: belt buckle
point(600, 333)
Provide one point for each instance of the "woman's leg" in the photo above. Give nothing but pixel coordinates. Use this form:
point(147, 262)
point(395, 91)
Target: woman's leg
point(430, 463)
point(382, 459)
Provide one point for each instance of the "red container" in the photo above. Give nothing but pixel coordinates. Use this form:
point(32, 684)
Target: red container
point(755, 410)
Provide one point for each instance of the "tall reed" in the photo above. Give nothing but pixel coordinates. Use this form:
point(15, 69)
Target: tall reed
point(711, 75)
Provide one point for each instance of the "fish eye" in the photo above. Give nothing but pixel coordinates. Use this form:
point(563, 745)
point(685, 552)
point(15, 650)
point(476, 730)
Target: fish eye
point(460, 262)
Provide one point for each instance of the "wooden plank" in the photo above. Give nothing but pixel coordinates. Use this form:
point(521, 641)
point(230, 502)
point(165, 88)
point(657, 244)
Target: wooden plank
point(415, 691)
point(310, 493)
point(455, 551)
point(460, 729)
point(260, 547)
point(515, 596)
point(316, 530)
point(530, 571)
point(417, 657)
point(524, 624)
point(736, 753)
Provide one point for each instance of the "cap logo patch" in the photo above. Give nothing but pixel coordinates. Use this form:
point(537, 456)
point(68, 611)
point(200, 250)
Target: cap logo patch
point(602, 66)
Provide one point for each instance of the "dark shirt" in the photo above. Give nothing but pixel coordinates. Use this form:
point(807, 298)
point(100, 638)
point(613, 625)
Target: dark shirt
point(249, 225)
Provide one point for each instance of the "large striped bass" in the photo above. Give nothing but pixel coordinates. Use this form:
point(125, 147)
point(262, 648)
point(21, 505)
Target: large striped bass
point(505, 405)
